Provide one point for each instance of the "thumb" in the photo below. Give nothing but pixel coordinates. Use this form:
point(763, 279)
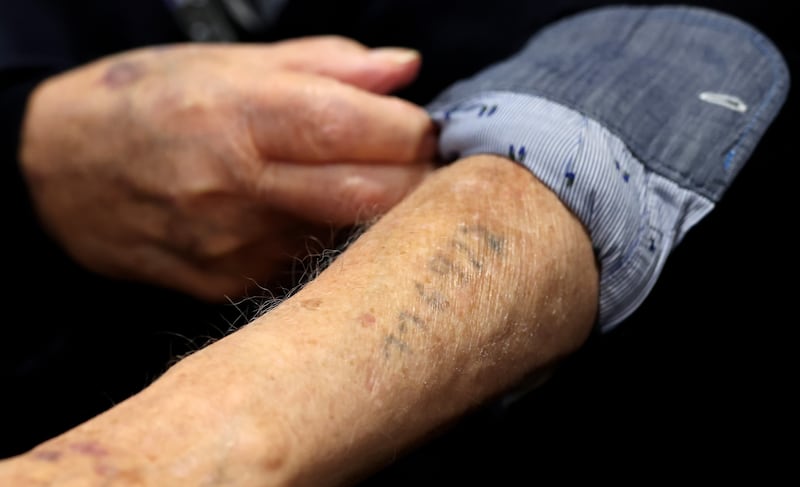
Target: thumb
point(379, 70)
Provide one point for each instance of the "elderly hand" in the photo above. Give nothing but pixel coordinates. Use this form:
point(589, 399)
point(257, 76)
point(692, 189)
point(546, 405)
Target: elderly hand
point(205, 167)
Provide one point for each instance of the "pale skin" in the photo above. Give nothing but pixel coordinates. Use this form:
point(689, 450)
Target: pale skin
point(477, 279)
point(206, 168)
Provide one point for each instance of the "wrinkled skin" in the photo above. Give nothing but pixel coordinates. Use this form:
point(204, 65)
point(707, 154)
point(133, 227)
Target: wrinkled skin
point(205, 168)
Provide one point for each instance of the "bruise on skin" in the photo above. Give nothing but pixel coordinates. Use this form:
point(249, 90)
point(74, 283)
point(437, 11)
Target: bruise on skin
point(122, 74)
point(89, 448)
point(47, 455)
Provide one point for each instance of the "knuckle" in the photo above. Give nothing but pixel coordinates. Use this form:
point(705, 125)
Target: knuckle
point(329, 123)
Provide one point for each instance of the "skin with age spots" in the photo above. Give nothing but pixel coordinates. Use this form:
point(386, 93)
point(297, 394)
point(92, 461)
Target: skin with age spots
point(202, 157)
point(306, 394)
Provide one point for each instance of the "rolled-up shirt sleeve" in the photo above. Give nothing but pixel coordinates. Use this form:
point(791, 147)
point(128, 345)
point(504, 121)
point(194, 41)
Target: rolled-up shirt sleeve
point(638, 118)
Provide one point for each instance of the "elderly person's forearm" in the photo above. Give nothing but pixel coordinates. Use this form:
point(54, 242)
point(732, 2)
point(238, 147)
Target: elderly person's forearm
point(477, 279)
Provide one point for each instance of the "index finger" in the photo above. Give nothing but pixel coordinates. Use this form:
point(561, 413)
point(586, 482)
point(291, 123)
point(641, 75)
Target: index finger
point(315, 119)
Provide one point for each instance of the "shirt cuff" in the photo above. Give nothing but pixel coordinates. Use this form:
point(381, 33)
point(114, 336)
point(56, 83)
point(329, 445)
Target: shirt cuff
point(638, 118)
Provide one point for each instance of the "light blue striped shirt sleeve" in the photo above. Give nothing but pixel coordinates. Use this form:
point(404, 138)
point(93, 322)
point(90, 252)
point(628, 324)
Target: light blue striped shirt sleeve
point(633, 215)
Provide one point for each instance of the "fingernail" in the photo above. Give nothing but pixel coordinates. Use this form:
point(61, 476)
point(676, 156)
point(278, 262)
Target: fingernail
point(397, 55)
